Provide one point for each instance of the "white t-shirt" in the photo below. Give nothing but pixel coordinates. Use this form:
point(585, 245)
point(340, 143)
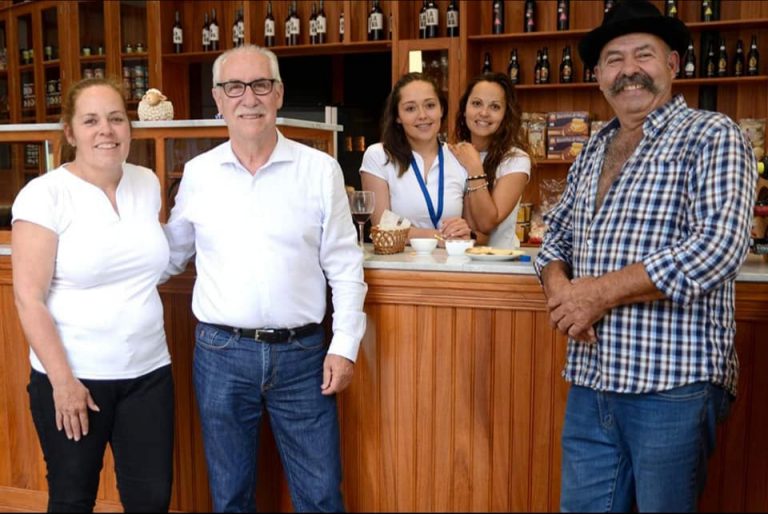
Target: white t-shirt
point(103, 295)
point(405, 196)
point(504, 235)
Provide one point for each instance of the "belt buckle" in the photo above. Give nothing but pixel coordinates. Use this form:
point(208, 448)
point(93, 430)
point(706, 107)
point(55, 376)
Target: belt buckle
point(258, 333)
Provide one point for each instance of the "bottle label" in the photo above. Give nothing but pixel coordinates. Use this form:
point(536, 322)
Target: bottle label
point(178, 36)
point(544, 74)
point(452, 19)
point(432, 17)
point(312, 28)
point(206, 37)
point(320, 25)
point(341, 26)
point(377, 21)
point(738, 68)
point(240, 30)
point(235, 32)
point(690, 69)
point(214, 32)
point(295, 26)
point(422, 21)
point(269, 28)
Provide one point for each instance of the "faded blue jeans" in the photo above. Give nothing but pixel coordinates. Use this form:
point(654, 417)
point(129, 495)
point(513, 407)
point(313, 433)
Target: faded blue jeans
point(235, 380)
point(648, 450)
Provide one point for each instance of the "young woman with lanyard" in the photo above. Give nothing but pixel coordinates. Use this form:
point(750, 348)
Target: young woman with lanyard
point(410, 171)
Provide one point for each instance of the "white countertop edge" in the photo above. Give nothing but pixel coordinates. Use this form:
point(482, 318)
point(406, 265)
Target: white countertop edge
point(281, 122)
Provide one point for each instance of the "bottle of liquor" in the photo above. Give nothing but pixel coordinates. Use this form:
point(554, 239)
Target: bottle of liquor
point(313, 24)
point(513, 68)
point(707, 13)
point(269, 26)
point(295, 24)
point(452, 20)
point(537, 68)
point(608, 7)
point(206, 33)
point(722, 60)
point(738, 59)
point(487, 63)
point(241, 29)
point(563, 14)
point(423, 20)
point(321, 24)
point(710, 68)
point(178, 35)
point(213, 30)
point(670, 8)
point(235, 31)
point(689, 69)
point(498, 17)
point(566, 66)
point(529, 16)
point(288, 27)
point(587, 75)
point(389, 26)
point(433, 20)
point(376, 22)
point(753, 58)
point(545, 71)
point(341, 27)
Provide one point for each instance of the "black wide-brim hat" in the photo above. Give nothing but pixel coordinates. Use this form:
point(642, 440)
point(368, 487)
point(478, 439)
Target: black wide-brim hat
point(630, 16)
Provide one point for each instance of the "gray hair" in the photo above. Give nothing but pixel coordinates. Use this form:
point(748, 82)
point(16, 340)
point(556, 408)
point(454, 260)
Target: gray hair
point(247, 49)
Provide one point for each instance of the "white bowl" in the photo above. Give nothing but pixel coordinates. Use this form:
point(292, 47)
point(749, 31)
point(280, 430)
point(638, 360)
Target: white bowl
point(458, 246)
point(423, 245)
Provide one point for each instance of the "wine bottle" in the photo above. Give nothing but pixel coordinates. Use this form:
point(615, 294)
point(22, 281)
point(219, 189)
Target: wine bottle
point(213, 30)
point(722, 60)
point(235, 31)
point(433, 20)
point(178, 35)
point(513, 68)
point(240, 29)
point(563, 14)
point(670, 8)
point(206, 33)
point(288, 27)
point(452, 19)
point(608, 6)
point(707, 14)
point(753, 58)
point(269, 26)
point(341, 27)
point(313, 24)
point(376, 22)
point(295, 24)
point(738, 59)
point(710, 68)
point(529, 16)
point(587, 75)
point(423, 20)
point(487, 63)
point(498, 17)
point(689, 70)
point(545, 75)
point(537, 68)
point(566, 66)
point(321, 25)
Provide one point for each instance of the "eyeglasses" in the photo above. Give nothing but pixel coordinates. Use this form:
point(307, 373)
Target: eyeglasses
point(236, 88)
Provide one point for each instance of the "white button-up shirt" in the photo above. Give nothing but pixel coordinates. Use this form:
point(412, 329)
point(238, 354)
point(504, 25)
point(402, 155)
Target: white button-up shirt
point(267, 244)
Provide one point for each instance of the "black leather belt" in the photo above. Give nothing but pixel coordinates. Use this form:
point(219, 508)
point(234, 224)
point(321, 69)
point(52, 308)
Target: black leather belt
point(270, 335)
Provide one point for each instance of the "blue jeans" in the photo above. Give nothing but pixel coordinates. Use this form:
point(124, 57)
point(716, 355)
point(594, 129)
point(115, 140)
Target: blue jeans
point(648, 450)
point(235, 380)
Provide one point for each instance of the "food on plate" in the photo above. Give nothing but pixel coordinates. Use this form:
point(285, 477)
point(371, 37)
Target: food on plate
point(489, 250)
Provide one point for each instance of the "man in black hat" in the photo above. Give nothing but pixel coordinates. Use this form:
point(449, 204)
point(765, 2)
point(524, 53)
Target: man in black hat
point(638, 266)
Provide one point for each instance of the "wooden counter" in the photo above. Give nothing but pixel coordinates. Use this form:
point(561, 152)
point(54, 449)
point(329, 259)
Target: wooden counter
point(457, 402)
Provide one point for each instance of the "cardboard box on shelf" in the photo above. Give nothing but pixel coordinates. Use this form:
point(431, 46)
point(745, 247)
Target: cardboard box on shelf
point(565, 147)
point(573, 123)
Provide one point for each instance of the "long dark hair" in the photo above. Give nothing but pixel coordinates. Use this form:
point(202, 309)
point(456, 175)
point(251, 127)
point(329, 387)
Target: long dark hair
point(507, 137)
point(393, 137)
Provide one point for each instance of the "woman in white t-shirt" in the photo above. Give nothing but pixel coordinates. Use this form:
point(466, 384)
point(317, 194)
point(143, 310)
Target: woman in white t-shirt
point(87, 253)
point(410, 171)
point(494, 154)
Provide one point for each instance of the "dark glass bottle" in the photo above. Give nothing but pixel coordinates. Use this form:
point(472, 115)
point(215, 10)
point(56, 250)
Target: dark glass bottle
point(563, 14)
point(236, 30)
point(738, 59)
point(513, 68)
point(487, 63)
point(269, 27)
point(587, 74)
point(452, 20)
point(670, 8)
point(433, 20)
point(423, 20)
point(545, 70)
point(240, 29)
point(707, 11)
point(376, 22)
point(313, 24)
point(206, 33)
point(722, 60)
point(213, 29)
point(529, 16)
point(689, 68)
point(608, 7)
point(295, 24)
point(498, 17)
point(342, 27)
point(566, 66)
point(288, 27)
point(178, 35)
point(537, 68)
point(710, 67)
point(321, 24)
point(753, 58)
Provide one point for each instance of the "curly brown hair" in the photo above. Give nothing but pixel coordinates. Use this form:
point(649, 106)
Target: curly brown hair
point(508, 137)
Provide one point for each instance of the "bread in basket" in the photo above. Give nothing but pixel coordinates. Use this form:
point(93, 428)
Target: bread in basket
point(387, 241)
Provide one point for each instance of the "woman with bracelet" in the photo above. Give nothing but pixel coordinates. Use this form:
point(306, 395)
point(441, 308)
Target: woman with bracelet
point(410, 171)
point(495, 156)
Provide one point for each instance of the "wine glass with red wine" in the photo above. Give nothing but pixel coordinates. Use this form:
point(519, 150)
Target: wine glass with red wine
point(361, 204)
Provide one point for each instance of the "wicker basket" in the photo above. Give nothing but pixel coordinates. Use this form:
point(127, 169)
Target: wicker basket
point(389, 241)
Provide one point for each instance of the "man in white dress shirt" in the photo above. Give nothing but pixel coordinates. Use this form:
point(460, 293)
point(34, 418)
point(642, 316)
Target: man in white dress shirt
point(269, 222)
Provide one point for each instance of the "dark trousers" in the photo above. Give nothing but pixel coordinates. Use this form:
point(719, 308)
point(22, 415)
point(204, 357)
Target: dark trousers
point(136, 419)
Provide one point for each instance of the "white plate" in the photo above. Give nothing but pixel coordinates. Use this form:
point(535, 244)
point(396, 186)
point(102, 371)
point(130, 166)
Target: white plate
point(482, 257)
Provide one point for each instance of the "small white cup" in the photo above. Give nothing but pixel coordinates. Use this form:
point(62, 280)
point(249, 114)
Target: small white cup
point(423, 245)
point(456, 247)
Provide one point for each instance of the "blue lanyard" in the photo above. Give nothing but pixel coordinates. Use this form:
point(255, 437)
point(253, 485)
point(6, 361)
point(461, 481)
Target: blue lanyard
point(440, 187)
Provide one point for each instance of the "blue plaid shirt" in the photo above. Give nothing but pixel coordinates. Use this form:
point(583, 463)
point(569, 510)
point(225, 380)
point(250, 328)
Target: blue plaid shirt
point(682, 206)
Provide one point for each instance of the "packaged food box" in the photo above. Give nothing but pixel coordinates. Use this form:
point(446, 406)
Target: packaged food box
point(573, 123)
point(537, 138)
point(565, 147)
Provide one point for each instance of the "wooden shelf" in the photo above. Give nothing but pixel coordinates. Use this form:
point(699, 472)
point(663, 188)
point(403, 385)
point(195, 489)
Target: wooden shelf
point(556, 85)
point(92, 58)
point(134, 56)
point(289, 51)
point(528, 36)
point(700, 26)
point(717, 81)
point(53, 63)
point(26, 68)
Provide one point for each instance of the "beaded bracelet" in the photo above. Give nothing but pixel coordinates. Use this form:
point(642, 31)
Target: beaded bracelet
point(475, 177)
point(477, 188)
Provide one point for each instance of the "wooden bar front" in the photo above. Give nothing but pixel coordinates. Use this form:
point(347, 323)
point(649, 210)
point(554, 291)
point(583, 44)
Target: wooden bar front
point(456, 405)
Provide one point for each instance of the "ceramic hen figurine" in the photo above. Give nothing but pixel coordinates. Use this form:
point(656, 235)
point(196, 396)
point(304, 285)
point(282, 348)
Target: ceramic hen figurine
point(155, 106)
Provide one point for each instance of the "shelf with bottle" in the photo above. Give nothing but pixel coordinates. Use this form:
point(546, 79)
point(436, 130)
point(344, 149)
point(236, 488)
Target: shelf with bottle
point(429, 19)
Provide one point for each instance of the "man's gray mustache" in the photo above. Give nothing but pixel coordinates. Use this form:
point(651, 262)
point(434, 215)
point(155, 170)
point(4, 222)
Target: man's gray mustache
point(640, 79)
